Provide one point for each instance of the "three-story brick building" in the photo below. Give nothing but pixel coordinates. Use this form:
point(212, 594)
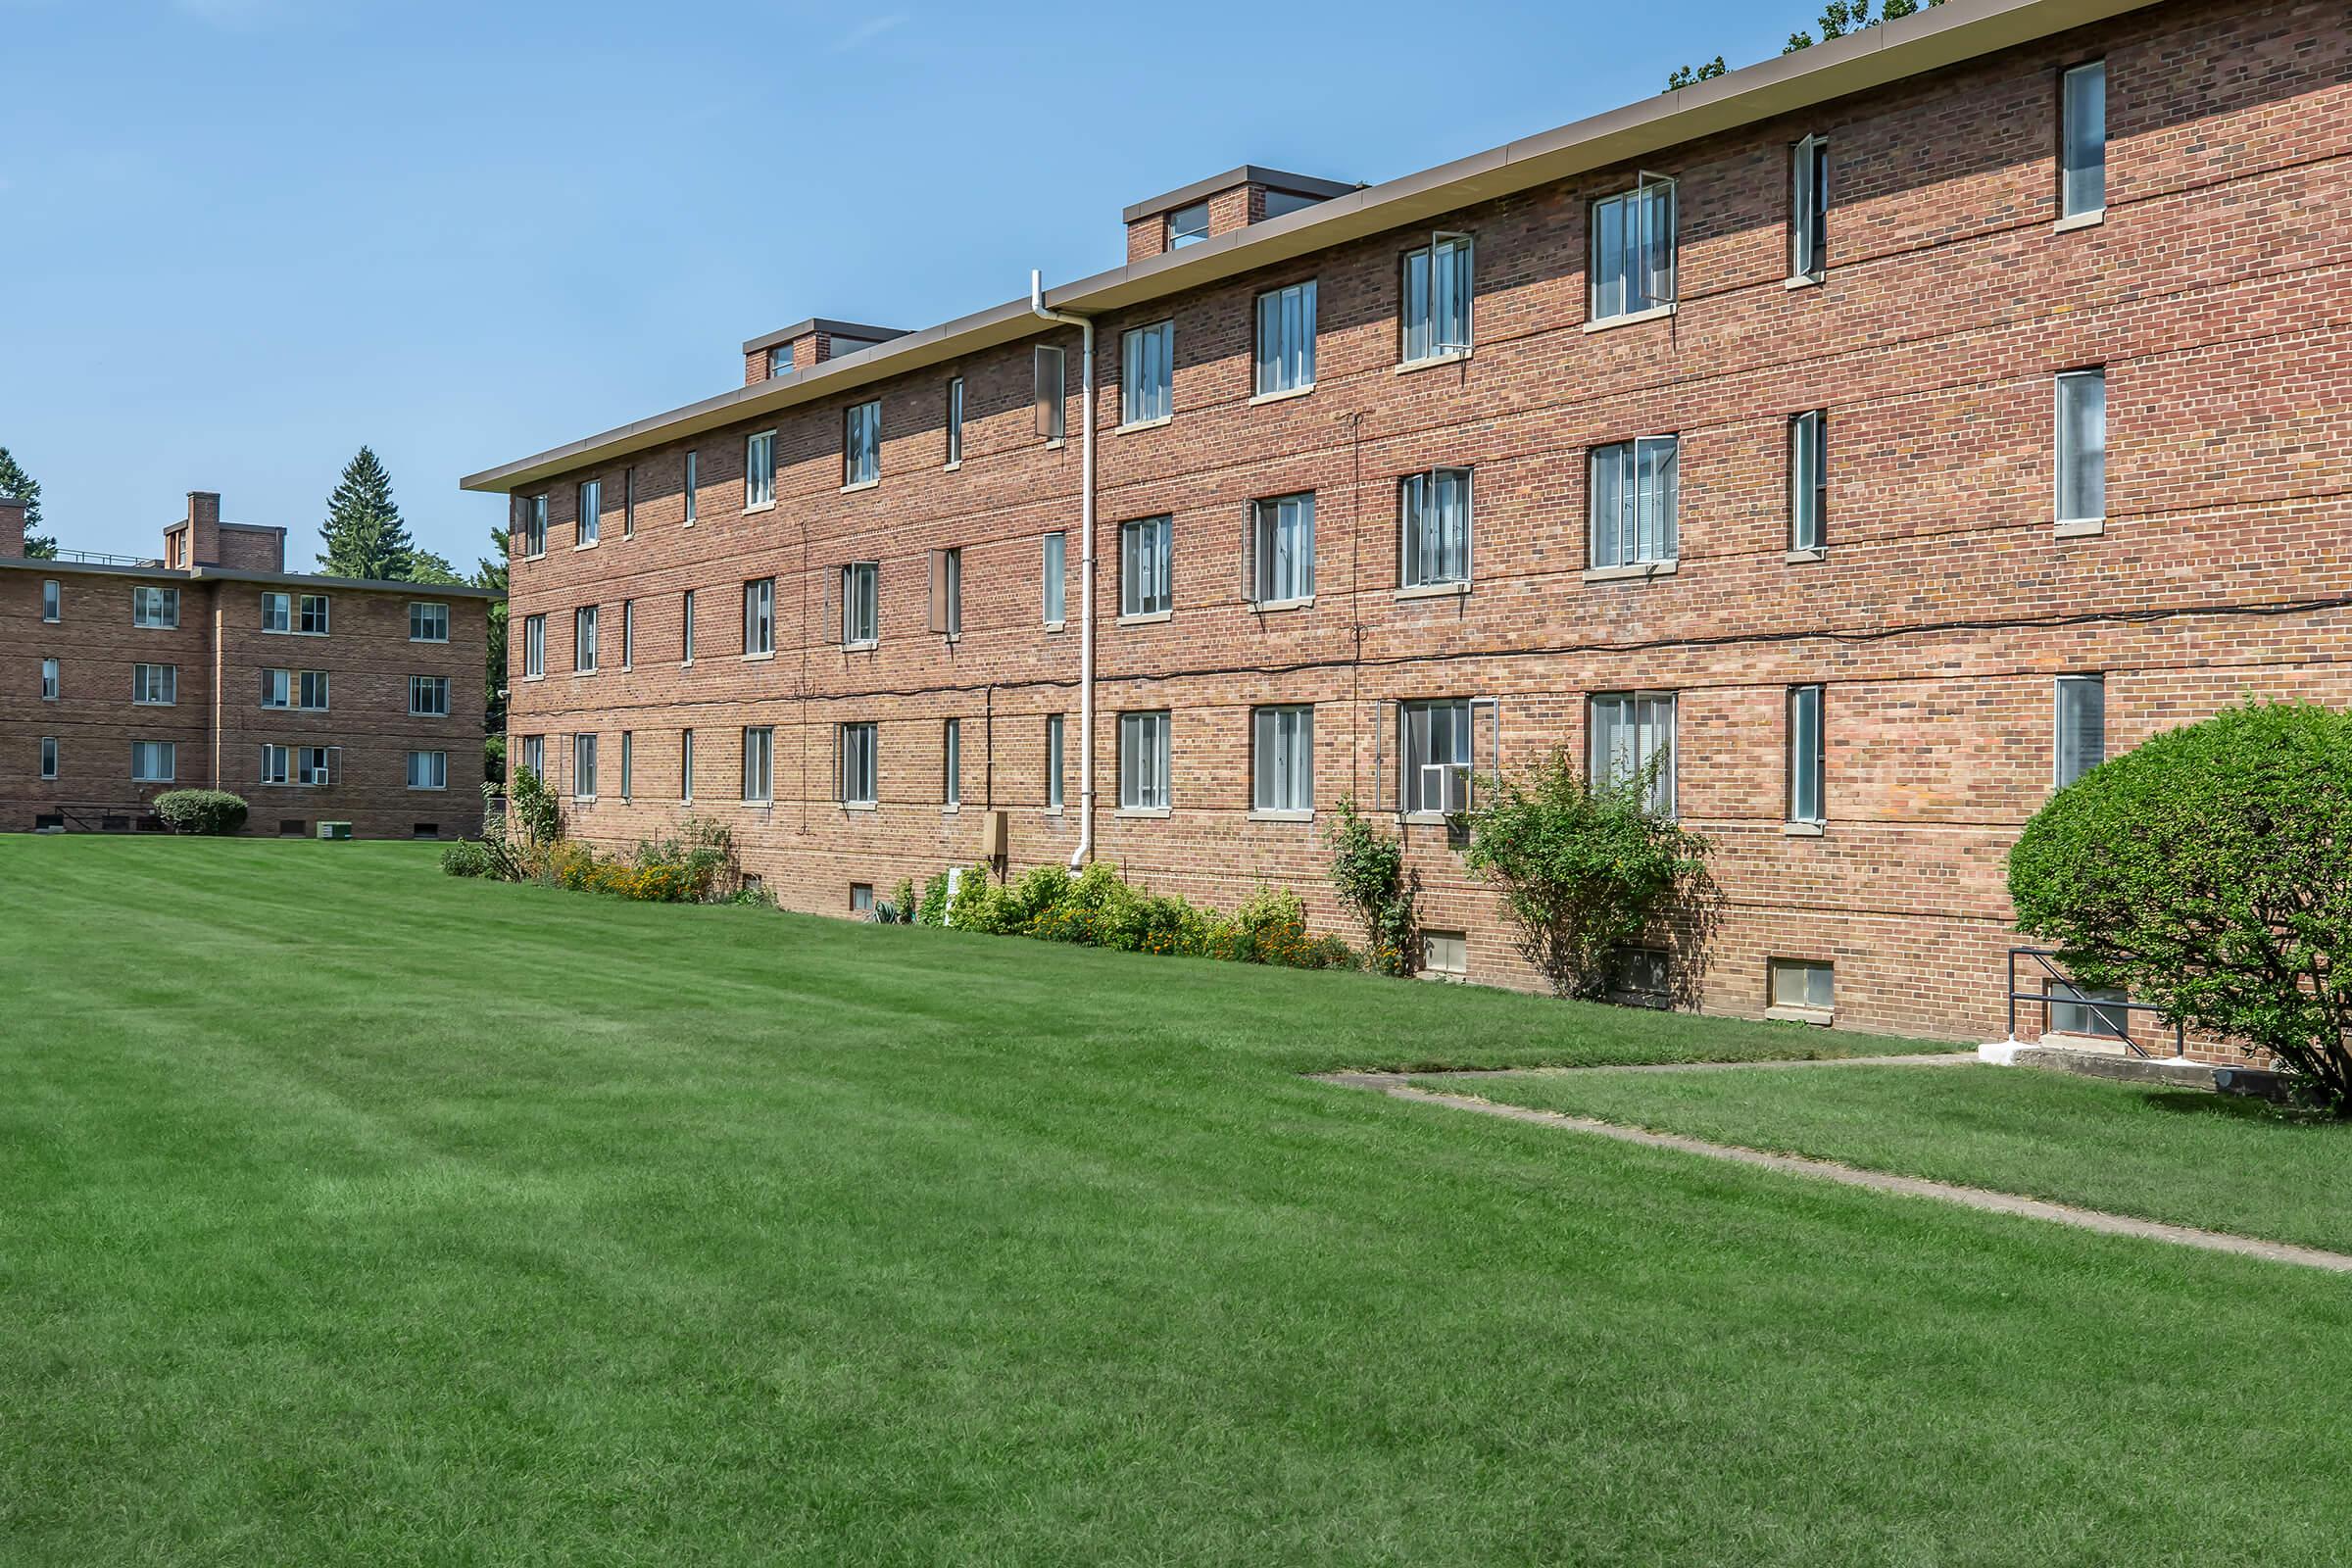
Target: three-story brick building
point(1869, 440)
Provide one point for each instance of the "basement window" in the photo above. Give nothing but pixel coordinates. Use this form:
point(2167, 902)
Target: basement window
point(1446, 954)
point(1803, 987)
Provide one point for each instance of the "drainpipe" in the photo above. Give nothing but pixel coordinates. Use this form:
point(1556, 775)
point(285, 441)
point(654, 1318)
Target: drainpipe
point(1086, 587)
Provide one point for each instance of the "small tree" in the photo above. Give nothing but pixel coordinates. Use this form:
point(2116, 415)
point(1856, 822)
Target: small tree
point(1367, 867)
point(1584, 870)
point(2209, 871)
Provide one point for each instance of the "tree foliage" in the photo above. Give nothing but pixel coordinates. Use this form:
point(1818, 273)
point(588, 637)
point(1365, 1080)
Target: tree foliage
point(1367, 867)
point(1838, 19)
point(363, 534)
point(15, 481)
point(2209, 871)
point(1584, 870)
point(490, 571)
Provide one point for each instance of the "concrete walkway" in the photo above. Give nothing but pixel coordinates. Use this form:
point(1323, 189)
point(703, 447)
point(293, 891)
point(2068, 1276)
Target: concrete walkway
point(1396, 1086)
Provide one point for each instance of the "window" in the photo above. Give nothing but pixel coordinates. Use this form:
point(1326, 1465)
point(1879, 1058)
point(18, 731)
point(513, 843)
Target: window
point(583, 767)
point(534, 526)
point(534, 647)
point(1434, 299)
point(312, 691)
point(428, 623)
point(1147, 372)
point(1809, 208)
point(1144, 547)
point(48, 757)
point(583, 639)
point(430, 770)
point(1641, 977)
point(857, 749)
point(1282, 550)
point(592, 510)
point(277, 765)
point(277, 688)
point(52, 596)
point(1143, 762)
point(861, 443)
point(686, 627)
point(1802, 985)
point(1049, 394)
point(1806, 750)
point(1809, 479)
point(2082, 739)
point(2082, 140)
point(1054, 575)
point(155, 685)
point(312, 618)
point(315, 764)
point(760, 616)
point(779, 361)
point(759, 470)
point(2084, 1015)
point(1436, 742)
point(1632, 737)
point(49, 681)
point(1632, 252)
point(689, 485)
point(628, 762)
point(156, 607)
point(1188, 226)
point(2082, 446)
point(1054, 762)
point(758, 765)
point(1636, 488)
point(1282, 759)
point(861, 898)
point(428, 696)
point(277, 611)
point(861, 604)
point(1446, 954)
point(629, 633)
point(534, 755)
point(1434, 528)
point(154, 761)
point(955, 420)
point(951, 762)
point(628, 502)
point(1286, 339)
point(946, 592)
point(685, 764)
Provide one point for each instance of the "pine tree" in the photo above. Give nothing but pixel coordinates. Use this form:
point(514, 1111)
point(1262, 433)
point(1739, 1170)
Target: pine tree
point(492, 574)
point(364, 536)
point(15, 481)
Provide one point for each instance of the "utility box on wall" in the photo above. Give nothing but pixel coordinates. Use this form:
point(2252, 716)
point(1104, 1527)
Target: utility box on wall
point(335, 830)
point(995, 841)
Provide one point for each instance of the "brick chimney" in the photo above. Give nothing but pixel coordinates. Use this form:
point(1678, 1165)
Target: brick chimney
point(1219, 205)
point(195, 540)
point(11, 526)
point(808, 343)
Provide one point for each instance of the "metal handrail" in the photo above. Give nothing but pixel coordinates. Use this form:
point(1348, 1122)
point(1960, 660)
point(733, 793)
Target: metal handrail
point(2041, 957)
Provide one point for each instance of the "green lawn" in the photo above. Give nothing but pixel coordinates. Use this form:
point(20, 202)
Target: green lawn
point(350, 1214)
point(2177, 1154)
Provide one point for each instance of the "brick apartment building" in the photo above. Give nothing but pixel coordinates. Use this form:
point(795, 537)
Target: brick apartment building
point(317, 699)
point(1878, 436)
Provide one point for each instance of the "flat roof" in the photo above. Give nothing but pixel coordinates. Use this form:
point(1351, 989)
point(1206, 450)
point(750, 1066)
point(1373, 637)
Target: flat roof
point(825, 324)
point(1926, 40)
point(1245, 175)
point(374, 585)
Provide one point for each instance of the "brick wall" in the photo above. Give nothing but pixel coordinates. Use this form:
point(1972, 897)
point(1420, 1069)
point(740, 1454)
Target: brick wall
point(2216, 295)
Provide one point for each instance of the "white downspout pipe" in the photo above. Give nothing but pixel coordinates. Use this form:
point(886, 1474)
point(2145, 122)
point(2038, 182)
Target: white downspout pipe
point(1086, 587)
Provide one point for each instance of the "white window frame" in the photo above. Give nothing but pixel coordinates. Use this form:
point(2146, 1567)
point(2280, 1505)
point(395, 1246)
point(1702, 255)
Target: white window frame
point(312, 683)
point(52, 681)
point(760, 617)
point(1143, 772)
point(583, 640)
point(1651, 720)
point(1282, 550)
point(314, 616)
point(428, 696)
point(1431, 331)
point(49, 756)
point(1612, 281)
point(759, 470)
point(954, 421)
point(154, 608)
point(1643, 497)
point(1430, 785)
point(758, 765)
point(534, 526)
point(155, 685)
point(534, 755)
point(861, 444)
point(2079, 470)
point(1809, 209)
point(1147, 567)
point(1808, 794)
point(2066, 741)
point(146, 754)
point(277, 688)
point(1284, 360)
point(1188, 225)
point(1054, 573)
point(686, 765)
point(278, 613)
point(628, 764)
point(315, 765)
point(53, 600)
point(628, 634)
point(1808, 481)
point(437, 771)
point(857, 784)
point(689, 487)
point(686, 627)
point(276, 765)
point(1147, 374)
point(1808, 970)
point(1055, 732)
point(861, 603)
point(2083, 158)
point(588, 520)
point(1425, 542)
point(423, 613)
point(534, 647)
point(583, 765)
point(1282, 760)
point(951, 765)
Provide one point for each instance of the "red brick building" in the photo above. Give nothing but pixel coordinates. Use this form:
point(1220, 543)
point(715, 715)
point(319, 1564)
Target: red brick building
point(317, 699)
point(1877, 437)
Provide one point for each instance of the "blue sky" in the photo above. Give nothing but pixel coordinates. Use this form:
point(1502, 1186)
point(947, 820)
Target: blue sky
point(239, 238)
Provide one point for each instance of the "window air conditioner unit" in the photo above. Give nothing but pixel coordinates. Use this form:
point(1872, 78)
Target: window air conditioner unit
point(1444, 787)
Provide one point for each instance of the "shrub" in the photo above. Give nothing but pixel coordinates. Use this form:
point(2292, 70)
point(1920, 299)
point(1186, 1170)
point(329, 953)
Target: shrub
point(2205, 871)
point(1584, 870)
point(977, 905)
point(469, 857)
point(1368, 869)
point(932, 908)
point(535, 814)
point(1270, 927)
point(201, 811)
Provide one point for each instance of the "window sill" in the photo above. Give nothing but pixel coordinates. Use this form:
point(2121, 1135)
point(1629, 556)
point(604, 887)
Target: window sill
point(1804, 830)
point(1408, 366)
point(1656, 313)
point(1281, 816)
point(1056, 625)
point(1640, 571)
point(2080, 529)
point(1145, 812)
point(290, 634)
point(1275, 606)
point(1049, 810)
point(1143, 425)
point(759, 659)
point(762, 506)
point(953, 809)
point(1814, 1016)
point(533, 680)
point(1435, 590)
point(685, 664)
point(582, 674)
point(430, 641)
point(950, 467)
point(590, 545)
point(1424, 818)
point(1806, 558)
point(2091, 220)
point(1057, 442)
point(858, 805)
point(1284, 396)
point(536, 555)
point(584, 800)
point(863, 484)
point(428, 788)
point(1805, 281)
point(141, 702)
point(866, 646)
point(752, 805)
point(1149, 618)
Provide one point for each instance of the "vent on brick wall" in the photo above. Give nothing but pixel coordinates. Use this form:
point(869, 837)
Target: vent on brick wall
point(293, 827)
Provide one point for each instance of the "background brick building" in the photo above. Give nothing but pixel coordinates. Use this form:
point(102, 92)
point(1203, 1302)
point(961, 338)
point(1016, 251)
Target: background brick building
point(1970, 393)
point(317, 699)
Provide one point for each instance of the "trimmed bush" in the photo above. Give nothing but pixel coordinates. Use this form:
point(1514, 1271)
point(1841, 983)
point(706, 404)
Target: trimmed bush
point(2206, 871)
point(469, 857)
point(201, 811)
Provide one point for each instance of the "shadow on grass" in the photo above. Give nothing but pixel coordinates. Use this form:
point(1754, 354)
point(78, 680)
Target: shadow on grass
point(2240, 1107)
